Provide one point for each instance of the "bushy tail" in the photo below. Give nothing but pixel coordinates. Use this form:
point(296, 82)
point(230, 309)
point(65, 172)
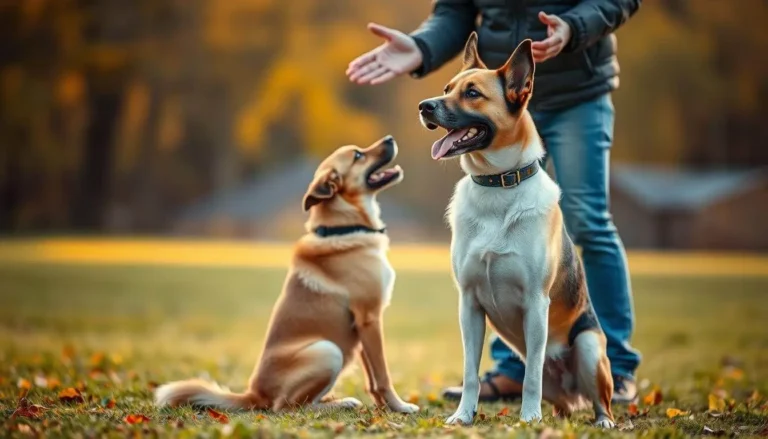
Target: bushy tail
point(205, 394)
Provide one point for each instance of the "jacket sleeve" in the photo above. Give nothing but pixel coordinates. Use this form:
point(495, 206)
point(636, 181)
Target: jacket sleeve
point(591, 20)
point(444, 33)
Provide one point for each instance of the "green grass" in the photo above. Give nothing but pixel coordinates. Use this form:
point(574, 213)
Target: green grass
point(146, 325)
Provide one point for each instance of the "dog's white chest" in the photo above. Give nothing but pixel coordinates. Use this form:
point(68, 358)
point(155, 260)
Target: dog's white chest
point(387, 279)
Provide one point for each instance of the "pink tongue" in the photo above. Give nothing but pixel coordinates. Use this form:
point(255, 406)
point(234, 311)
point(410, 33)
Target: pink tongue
point(441, 147)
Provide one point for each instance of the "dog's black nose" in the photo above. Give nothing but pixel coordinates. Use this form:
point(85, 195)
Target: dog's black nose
point(427, 106)
point(388, 139)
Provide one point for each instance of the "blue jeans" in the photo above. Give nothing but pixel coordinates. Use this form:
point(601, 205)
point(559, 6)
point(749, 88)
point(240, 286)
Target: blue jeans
point(578, 140)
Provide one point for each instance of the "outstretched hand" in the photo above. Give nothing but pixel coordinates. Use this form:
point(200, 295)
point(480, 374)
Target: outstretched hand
point(558, 36)
point(398, 55)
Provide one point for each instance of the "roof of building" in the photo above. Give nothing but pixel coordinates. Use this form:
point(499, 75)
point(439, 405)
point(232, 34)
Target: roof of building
point(688, 189)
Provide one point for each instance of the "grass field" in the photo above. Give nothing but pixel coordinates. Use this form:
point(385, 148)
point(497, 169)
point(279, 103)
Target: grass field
point(112, 332)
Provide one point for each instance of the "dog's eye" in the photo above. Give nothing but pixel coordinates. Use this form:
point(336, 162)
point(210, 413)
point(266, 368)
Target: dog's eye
point(358, 155)
point(472, 93)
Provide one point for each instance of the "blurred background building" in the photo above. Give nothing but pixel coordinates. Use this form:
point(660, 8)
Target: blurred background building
point(207, 117)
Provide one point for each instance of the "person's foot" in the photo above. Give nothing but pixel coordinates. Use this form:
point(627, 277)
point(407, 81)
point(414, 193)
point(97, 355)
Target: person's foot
point(624, 390)
point(493, 387)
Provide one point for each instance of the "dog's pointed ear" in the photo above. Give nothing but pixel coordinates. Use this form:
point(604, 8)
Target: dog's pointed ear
point(322, 188)
point(518, 75)
point(471, 58)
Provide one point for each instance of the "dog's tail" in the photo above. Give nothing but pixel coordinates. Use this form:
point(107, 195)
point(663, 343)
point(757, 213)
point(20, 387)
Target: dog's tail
point(205, 394)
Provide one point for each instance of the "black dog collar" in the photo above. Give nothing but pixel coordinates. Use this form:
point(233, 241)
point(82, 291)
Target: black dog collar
point(324, 231)
point(508, 179)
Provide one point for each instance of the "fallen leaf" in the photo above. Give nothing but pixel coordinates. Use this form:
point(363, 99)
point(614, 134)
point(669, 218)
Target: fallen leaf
point(632, 409)
point(432, 397)
point(108, 403)
point(626, 426)
point(731, 404)
point(70, 394)
point(709, 432)
point(24, 384)
point(673, 413)
point(503, 412)
point(136, 419)
point(654, 397)
point(733, 373)
point(152, 385)
point(68, 352)
point(716, 404)
point(53, 383)
point(260, 417)
point(97, 359)
point(41, 381)
point(26, 410)
point(481, 416)
point(763, 432)
point(221, 417)
point(413, 398)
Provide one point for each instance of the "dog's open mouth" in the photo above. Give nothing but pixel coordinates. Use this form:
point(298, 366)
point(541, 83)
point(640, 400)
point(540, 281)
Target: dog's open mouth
point(459, 141)
point(378, 179)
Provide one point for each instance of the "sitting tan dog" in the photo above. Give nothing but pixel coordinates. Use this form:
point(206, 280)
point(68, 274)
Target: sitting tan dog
point(332, 303)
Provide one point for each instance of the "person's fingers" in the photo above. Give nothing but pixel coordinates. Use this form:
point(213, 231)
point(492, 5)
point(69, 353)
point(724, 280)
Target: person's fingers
point(380, 70)
point(549, 20)
point(364, 70)
point(382, 31)
point(546, 44)
point(362, 60)
point(383, 78)
point(543, 55)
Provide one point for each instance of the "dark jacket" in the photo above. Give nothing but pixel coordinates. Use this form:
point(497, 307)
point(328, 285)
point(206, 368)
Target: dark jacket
point(585, 69)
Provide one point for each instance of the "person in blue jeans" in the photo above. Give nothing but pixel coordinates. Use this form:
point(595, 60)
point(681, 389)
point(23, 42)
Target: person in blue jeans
point(576, 70)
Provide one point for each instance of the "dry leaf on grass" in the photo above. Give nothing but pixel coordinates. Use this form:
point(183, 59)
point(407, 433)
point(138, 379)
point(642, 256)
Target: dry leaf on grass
point(716, 404)
point(24, 384)
point(220, 417)
point(654, 397)
point(634, 412)
point(709, 432)
point(503, 412)
point(70, 394)
point(673, 413)
point(413, 398)
point(626, 426)
point(733, 373)
point(108, 403)
point(136, 419)
point(53, 383)
point(26, 410)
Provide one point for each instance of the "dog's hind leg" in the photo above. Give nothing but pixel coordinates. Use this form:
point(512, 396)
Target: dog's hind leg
point(313, 373)
point(594, 375)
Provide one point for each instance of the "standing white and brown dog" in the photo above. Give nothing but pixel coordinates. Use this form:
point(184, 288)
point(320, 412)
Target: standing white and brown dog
point(512, 259)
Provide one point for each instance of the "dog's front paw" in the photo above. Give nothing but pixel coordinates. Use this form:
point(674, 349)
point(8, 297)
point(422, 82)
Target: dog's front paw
point(349, 403)
point(530, 414)
point(461, 417)
point(604, 422)
point(404, 407)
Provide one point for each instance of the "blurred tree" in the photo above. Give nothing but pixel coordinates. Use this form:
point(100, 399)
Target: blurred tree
point(114, 114)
